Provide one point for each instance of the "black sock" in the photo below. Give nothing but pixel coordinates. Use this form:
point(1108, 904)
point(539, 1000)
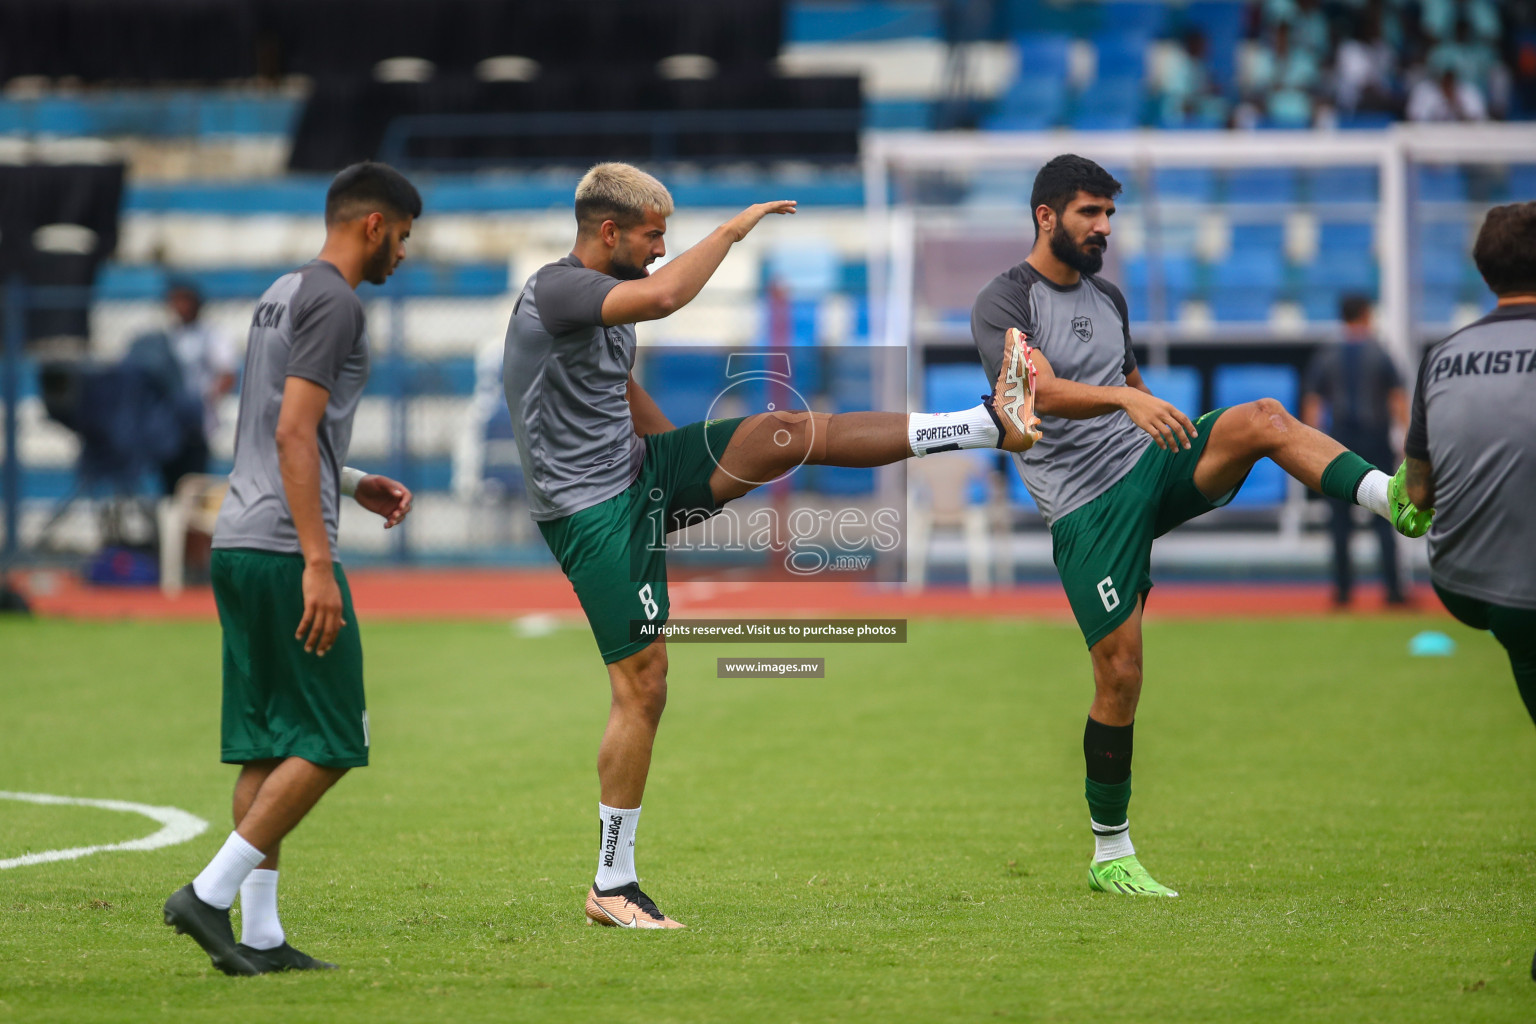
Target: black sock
point(1107, 752)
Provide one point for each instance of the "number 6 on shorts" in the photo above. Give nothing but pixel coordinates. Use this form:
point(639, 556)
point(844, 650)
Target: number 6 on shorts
point(1107, 594)
point(649, 603)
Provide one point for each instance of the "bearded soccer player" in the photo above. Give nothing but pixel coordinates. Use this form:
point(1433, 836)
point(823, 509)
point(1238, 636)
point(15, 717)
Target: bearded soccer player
point(1119, 466)
point(602, 462)
point(294, 719)
point(1471, 450)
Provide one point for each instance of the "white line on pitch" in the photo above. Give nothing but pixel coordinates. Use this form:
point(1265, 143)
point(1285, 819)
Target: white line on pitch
point(179, 826)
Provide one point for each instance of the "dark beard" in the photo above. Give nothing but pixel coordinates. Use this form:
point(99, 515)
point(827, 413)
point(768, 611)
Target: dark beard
point(1084, 261)
point(376, 270)
point(626, 271)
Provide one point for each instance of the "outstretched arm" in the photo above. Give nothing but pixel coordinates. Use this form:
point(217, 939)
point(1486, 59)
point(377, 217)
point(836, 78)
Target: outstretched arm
point(674, 285)
point(1056, 396)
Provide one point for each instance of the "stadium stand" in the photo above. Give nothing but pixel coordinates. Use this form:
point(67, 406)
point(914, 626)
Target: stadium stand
point(215, 139)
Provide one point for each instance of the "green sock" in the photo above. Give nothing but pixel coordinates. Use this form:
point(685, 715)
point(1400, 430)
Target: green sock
point(1107, 801)
point(1343, 476)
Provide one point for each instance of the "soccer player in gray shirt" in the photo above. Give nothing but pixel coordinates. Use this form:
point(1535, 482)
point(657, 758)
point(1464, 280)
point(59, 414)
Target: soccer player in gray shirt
point(294, 718)
point(1471, 450)
point(607, 472)
point(1118, 466)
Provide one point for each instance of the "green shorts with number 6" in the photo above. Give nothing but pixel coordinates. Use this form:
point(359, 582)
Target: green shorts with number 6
point(280, 701)
point(614, 553)
point(1103, 550)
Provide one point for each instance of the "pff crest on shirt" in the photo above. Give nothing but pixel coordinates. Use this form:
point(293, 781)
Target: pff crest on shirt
point(1082, 326)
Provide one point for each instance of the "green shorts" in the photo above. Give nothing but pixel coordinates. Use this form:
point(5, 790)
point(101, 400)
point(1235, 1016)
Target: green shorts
point(278, 700)
point(614, 553)
point(1103, 550)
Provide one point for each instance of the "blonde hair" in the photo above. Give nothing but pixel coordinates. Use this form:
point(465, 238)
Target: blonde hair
point(620, 193)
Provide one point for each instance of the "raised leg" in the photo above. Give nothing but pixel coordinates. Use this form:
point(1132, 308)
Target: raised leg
point(1246, 433)
point(770, 444)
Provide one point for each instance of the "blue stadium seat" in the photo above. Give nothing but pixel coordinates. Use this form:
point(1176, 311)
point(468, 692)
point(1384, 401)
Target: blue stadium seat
point(1241, 305)
point(1145, 18)
point(1043, 54)
point(1329, 277)
point(1254, 238)
point(684, 382)
point(1366, 120)
point(1343, 184)
point(953, 385)
point(1235, 384)
point(1251, 269)
point(1030, 104)
point(1180, 385)
point(861, 21)
point(1109, 105)
point(1222, 22)
point(1178, 275)
point(1262, 185)
point(1196, 184)
point(1522, 183)
point(1018, 494)
point(1122, 55)
point(1353, 237)
point(1437, 183)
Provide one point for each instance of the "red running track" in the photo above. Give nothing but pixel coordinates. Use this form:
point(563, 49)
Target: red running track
point(509, 594)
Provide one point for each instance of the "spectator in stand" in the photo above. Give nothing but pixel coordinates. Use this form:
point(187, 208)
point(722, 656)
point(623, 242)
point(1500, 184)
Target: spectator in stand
point(1365, 67)
point(1474, 61)
point(1187, 97)
point(1283, 79)
point(208, 360)
point(1446, 98)
point(1357, 382)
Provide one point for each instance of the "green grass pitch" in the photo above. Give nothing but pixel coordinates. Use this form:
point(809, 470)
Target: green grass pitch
point(1352, 831)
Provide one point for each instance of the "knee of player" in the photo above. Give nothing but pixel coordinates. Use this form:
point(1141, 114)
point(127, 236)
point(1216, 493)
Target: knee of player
point(1119, 671)
point(1269, 422)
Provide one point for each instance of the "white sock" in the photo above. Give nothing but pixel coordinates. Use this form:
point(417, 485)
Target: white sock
point(616, 850)
point(259, 926)
point(948, 431)
point(220, 880)
point(1111, 842)
point(1371, 493)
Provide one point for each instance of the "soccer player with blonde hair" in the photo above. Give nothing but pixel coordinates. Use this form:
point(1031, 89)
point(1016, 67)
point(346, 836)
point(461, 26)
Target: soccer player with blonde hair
point(602, 462)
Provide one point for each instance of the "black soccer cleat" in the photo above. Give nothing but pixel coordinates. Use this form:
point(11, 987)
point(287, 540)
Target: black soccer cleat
point(209, 928)
point(282, 958)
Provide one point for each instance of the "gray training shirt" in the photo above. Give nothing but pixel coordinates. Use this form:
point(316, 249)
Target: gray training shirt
point(567, 377)
point(309, 324)
point(1084, 330)
point(1474, 421)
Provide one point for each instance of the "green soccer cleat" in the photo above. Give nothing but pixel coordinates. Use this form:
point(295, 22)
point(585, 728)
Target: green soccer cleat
point(1407, 518)
point(1126, 876)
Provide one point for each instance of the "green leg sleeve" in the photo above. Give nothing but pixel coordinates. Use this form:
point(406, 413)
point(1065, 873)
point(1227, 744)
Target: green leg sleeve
point(1107, 801)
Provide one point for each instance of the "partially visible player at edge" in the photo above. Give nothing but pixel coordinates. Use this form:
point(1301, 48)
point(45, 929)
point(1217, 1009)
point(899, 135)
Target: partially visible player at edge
point(600, 458)
point(1119, 466)
point(1471, 450)
point(294, 717)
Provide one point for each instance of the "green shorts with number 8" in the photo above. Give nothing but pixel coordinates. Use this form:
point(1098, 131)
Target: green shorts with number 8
point(1103, 550)
point(614, 553)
